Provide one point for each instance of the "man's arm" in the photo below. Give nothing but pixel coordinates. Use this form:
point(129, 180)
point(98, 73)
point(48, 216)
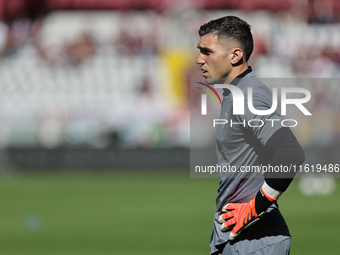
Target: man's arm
point(286, 152)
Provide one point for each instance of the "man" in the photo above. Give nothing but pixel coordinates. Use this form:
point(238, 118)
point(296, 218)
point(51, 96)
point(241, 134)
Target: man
point(245, 198)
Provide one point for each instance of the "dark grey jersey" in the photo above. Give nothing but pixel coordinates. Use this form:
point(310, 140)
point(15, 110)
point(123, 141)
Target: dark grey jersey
point(240, 142)
point(241, 148)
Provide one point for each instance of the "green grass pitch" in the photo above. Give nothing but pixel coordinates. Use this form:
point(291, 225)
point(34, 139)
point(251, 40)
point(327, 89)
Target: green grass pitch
point(138, 213)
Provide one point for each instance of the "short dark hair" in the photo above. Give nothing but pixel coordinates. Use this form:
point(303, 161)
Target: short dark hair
point(231, 27)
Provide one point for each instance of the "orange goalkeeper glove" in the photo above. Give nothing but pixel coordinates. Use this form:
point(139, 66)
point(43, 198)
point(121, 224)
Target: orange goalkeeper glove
point(240, 216)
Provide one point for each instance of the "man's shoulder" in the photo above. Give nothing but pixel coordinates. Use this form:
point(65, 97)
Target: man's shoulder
point(251, 81)
point(255, 89)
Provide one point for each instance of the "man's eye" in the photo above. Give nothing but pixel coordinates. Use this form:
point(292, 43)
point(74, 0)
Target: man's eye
point(206, 52)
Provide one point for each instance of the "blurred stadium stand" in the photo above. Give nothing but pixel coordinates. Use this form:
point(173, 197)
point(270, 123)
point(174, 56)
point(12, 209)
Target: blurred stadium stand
point(110, 78)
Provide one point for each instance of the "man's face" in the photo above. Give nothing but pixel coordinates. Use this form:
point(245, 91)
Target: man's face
point(214, 58)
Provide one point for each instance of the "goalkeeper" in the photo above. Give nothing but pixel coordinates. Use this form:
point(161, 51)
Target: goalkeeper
point(244, 199)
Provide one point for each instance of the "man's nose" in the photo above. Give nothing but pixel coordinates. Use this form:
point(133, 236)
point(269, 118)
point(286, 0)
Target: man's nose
point(200, 59)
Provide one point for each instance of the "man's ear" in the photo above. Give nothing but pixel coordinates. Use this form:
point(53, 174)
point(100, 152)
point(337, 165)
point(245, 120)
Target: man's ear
point(237, 57)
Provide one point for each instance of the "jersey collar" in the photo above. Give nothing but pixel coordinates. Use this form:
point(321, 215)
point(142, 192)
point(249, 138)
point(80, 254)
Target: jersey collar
point(226, 92)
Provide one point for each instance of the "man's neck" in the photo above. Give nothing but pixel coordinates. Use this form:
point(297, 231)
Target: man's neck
point(235, 73)
point(237, 70)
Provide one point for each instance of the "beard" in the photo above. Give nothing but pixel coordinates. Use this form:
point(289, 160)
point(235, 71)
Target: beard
point(212, 81)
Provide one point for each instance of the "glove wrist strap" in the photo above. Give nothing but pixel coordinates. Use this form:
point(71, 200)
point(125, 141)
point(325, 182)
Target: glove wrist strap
point(270, 193)
point(263, 200)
